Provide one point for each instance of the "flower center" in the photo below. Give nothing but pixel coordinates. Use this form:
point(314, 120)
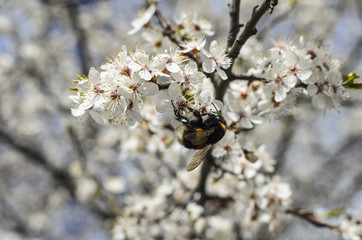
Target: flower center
point(97, 89)
point(227, 147)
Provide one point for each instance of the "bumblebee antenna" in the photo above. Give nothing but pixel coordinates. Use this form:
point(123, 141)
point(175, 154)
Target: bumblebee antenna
point(218, 111)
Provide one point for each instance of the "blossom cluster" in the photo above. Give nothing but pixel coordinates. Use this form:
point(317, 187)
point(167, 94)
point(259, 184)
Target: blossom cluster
point(116, 94)
point(347, 223)
point(287, 73)
point(307, 69)
point(172, 211)
point(351, 225)
point(129, 88)
point(187, 25)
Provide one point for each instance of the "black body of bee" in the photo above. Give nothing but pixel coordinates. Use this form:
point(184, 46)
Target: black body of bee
point(200, 133)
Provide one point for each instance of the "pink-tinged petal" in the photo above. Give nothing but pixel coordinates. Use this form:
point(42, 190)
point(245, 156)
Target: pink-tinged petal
point(148, 89)
point(209, 66)
point(145, 74)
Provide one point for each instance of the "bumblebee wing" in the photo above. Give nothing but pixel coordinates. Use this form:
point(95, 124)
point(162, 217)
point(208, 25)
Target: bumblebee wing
point(198, 158)
point(200, 136)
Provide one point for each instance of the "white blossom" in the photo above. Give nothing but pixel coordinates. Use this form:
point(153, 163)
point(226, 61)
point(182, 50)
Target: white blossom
point(217, 59)
point(195, 45)
point(143, 19)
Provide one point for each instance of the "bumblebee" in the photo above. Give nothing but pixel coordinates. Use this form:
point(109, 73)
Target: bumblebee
point(200, 133)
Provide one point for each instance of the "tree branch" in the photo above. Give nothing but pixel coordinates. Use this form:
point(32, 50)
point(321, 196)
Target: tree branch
point(234, 22)
point(250, 27)
point(250, 78)
point(12, 217)
point(62, 178)
point(81, 37)
point(205, 170)
point(285, 142)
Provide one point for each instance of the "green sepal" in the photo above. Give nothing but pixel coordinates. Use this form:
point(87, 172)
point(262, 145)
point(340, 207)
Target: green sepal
point(349, 81)
point(335, 212)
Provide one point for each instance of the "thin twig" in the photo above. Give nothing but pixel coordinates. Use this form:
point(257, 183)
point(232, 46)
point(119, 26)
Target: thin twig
point(278, 19)
point(309, 217)
point(168, 32)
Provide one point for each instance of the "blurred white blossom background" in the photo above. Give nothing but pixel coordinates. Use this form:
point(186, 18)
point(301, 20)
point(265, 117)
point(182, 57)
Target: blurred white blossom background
point(68, 178)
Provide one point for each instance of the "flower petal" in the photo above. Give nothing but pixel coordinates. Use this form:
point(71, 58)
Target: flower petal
point(164, 106)
point(77, 112)
point(304, 74)
point(290, 81)
point(172, 67)
point(145, 74)
point(148, 89)
point(221, 73)
point(98, 118)
point(209, 66)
